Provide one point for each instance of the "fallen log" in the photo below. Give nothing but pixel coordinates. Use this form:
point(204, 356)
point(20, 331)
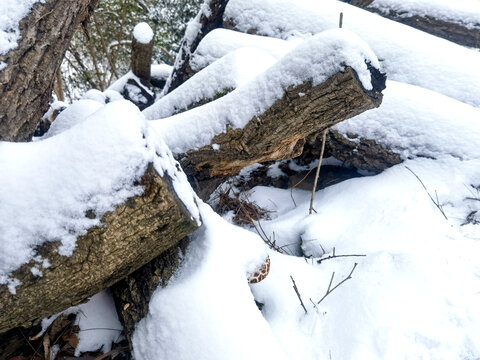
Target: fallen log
point(28, 78)
point(360, 153)
point(459, 32)
point(210, 17)
point(129, 237)
point(281, 131)
point(114, 205)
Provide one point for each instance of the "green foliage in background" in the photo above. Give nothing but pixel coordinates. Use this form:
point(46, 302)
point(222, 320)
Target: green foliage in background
point(100, 50)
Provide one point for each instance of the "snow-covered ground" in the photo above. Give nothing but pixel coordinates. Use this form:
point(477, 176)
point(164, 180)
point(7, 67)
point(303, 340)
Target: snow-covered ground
point(415, 289)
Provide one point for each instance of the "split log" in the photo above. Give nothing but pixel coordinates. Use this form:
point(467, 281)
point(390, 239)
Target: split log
point(129, 237)
point(132, 294)
point(281, 131)
point(27, 81)
point(459, 33)
point(208, 19)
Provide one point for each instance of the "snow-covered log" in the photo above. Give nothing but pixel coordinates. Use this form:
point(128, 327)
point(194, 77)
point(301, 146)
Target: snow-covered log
point(444, 20)
point(118, 201)
point(298, 96)
point(30, 59)
point(209, 18)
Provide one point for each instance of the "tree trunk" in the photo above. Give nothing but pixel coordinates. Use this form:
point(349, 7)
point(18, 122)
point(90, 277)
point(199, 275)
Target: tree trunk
point(129, 237)
point(132, 294)
point(142, 59)
point(281, 131)
point(181, 69)
point(27, 81)
point(456, 32)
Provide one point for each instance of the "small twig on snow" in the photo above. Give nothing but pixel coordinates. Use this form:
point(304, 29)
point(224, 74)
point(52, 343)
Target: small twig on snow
point(330, 289)
point(437, 203)
point(298, 294)
point(334, 256)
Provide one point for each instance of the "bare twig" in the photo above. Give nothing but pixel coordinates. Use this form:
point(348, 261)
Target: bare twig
point(340, 22)
point(324, 138)
point(334, 256)
point(330, 289)
point(437, 203)
point(298, 294)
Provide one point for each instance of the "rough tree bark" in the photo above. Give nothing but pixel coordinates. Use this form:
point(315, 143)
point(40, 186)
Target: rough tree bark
point(182, 70)
point(27, 81)
point(132, 294)
point(354, 151)
point(281, 131)
point(458, 33)
point(129, 237)
point(142, 59)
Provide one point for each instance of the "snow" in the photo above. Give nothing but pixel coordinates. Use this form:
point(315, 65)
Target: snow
point(416, 122)
point(229, 72)
point(464, 12)
point(220, 42)
point(98, 323)
point(407, 55)
point(11, 12)
point(161, 71)
point(99, 160)
point(338, 48)
point(143, 33)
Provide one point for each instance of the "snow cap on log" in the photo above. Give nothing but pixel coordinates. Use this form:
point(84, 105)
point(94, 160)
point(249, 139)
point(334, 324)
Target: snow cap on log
point(313, 61)
point(143, 33)
point(114, 184)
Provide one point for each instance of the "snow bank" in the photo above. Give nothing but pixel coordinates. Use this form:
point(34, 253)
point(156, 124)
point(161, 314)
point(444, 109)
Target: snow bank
point(407, 55)
point(220, 42)
point(232, 70)
point(314, 60)
point(47, 186)
point(11, 12)
point(207, 310)
point(464, 12)
point(416, 122)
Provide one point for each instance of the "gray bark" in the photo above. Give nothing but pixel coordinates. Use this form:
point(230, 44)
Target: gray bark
point(27, 81)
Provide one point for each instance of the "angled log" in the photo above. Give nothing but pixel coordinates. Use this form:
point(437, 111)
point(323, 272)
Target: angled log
point(205, 21)
point(27, 81)
point(281, 131)
point(459, 33)
point(129, 237)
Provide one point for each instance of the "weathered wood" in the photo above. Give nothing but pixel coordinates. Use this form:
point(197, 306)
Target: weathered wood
point(354, 151)
point(132, 294)
point(27, 81)
point(281, 131)
point(456, 32)
point(142, 59)
point(129, 237)
point(181, 69)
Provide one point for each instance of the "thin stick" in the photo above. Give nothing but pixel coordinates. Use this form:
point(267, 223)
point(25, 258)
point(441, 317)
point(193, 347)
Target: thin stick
point(437, 204)
point(340, 23)
point(114, 351)
point(324, 138)
point(329, 291)
point(334, 256)
point(298, 294)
